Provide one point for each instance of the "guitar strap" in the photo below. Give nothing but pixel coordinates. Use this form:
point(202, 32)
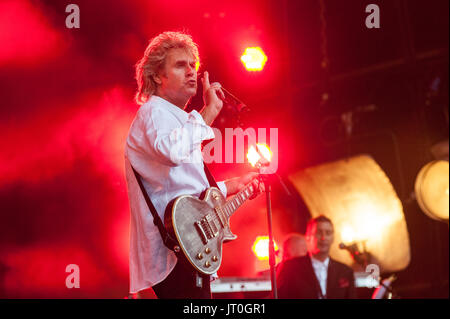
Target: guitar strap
point(167, 239)
point(170, 243)
point(211, 180)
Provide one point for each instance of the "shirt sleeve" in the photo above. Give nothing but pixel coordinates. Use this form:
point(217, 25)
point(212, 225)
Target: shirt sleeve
point(177, 142)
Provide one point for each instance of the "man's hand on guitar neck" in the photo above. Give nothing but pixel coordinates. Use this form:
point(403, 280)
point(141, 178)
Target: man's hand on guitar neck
point(234, 185)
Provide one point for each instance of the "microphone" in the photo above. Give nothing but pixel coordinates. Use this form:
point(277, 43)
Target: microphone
point(234, 102)
point(360, 257)
point(384, 287)
point(353, 248)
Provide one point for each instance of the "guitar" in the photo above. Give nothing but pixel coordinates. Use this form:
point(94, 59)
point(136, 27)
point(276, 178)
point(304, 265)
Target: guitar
point(201, 226)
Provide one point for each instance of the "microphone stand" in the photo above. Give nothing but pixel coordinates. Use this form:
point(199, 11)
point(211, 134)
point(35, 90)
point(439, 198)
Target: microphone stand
point(266, 180)
point(240, 107)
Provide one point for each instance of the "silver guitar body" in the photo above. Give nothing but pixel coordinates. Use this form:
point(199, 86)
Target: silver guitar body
point(200, 227)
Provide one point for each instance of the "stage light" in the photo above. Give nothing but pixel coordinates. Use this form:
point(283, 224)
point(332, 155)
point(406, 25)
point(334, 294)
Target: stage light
point(261, 247)
point(261, 155)
point(365, 210)
point(347, 234)
point(197, 65)
point(254, 59)
point(432, 190)
point(252, 156)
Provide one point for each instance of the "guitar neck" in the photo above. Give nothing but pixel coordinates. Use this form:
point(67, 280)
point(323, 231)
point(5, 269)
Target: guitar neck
point(237, 200)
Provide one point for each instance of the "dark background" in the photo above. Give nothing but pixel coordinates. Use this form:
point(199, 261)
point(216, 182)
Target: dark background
point(67, 104)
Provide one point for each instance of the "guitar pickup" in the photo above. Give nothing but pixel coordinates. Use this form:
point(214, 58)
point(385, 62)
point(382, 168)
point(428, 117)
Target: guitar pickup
point(201, 232)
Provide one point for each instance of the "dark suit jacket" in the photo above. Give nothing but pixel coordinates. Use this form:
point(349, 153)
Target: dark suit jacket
point(296, 280)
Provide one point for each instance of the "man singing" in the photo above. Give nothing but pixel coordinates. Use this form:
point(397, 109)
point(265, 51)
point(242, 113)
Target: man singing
point(164, 148)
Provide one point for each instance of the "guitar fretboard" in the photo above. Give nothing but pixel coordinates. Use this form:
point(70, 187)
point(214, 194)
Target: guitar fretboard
point(231, 205)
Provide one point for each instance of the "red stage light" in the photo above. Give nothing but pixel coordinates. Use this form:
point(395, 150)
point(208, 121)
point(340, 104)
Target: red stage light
point(261, 247)
point(254, 59)
point(253, 155)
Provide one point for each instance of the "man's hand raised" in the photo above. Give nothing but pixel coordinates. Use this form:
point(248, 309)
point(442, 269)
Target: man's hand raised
point(213, 97)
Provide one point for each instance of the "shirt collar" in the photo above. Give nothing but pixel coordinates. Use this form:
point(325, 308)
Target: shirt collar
point(318, 262)
point(171, 107)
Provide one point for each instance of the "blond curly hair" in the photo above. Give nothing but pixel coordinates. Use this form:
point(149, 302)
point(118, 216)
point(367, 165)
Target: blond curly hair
point(154, 58)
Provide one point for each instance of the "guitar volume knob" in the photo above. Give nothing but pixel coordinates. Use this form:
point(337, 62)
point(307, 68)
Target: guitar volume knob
point(214, 258)
point(207, 264)
point(207, 250)
point(199, 256)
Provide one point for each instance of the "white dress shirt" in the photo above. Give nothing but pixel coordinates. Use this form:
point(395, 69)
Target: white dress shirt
point(164, 147)
point(321, 271)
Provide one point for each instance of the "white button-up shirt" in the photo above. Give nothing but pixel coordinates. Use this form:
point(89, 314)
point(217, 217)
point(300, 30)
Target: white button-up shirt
point(321, 271)
point(164, 147)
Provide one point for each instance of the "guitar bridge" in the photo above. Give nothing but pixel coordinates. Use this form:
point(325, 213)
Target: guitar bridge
point(207, 228)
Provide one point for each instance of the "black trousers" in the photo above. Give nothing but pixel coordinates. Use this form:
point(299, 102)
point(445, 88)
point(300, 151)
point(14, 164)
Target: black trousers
point(182, 283)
